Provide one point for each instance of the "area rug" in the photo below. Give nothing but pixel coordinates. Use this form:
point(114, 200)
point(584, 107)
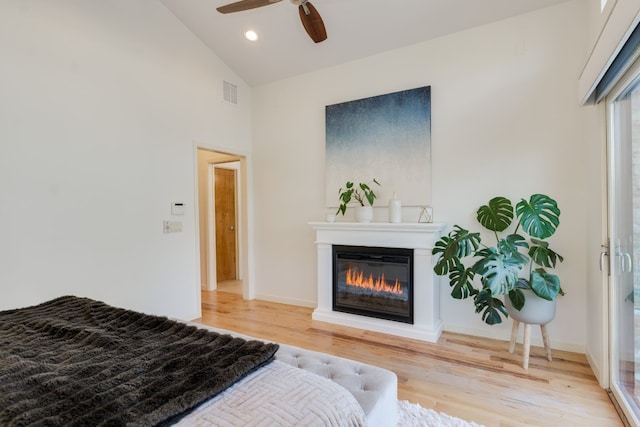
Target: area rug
point(414, 415)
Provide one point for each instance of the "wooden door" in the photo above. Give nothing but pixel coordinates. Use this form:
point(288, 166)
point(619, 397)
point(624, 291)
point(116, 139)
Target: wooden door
point(225, 208)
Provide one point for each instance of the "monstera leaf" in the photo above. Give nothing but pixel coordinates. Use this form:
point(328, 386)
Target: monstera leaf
point(539, 216)
point(496, 215)
point(491, 308)
point(499, 271)
point(517, 298)
point(447, 263)
point(458, 244)
point(542, 255)
point(509, 247)
point(461, 280)
point(545, 285)
point(464, 243)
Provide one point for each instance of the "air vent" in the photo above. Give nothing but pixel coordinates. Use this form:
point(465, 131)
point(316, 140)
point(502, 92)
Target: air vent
point(230, 92)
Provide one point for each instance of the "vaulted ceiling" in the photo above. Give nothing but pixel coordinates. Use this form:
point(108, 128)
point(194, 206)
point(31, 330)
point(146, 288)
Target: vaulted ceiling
point(355, 29)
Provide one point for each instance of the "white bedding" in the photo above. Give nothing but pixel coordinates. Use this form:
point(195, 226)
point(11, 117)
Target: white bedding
point(280, 395)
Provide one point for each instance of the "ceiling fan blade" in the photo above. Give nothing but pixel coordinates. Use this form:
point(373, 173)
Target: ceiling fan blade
point(312, 22)
point(241, 5)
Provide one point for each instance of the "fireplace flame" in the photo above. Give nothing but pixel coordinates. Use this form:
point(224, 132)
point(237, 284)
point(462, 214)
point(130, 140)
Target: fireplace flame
point(356, 278)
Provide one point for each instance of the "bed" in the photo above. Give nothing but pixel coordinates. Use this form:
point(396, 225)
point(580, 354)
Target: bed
point(77, 361)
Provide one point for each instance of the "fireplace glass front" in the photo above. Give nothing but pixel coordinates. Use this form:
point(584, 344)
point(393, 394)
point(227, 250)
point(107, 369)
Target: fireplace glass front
point(372, 281)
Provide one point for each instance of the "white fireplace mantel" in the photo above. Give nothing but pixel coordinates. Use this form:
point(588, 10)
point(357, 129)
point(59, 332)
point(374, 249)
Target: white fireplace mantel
point(420, 237)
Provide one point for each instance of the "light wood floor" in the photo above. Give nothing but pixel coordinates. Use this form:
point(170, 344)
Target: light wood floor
point(233, 286)
point(468, 377)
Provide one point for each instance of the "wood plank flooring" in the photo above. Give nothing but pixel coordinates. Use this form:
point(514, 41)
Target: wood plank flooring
point(468, 377)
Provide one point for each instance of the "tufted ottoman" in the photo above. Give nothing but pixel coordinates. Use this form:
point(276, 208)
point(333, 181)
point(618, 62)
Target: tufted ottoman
point(376, 389)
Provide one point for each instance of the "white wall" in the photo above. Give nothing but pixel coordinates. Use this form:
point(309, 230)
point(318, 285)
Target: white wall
point(505, 121)
point(100, 105)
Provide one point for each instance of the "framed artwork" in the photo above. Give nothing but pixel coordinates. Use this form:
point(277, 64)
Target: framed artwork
point(386, 137)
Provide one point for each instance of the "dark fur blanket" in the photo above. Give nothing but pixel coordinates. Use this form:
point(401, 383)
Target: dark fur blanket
point(75, 361)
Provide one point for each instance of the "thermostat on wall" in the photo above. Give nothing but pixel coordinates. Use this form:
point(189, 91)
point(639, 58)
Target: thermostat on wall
point(177, 208)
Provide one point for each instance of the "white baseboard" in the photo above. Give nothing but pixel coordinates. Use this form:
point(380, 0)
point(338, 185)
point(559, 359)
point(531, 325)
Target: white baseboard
point(285, 300)
point(188, 317)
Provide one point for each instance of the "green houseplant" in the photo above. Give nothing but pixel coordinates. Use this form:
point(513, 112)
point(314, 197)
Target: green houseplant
point(518, 260)
point(361, 193)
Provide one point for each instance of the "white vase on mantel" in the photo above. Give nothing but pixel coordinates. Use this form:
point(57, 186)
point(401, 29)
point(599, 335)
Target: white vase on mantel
point(395, 210)
point(364, 213)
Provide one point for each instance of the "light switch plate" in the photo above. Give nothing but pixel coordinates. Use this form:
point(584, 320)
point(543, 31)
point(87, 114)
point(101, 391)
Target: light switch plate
point(172, 226)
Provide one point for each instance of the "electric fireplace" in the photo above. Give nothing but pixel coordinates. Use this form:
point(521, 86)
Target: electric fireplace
point(419, 238)
point(373, 281)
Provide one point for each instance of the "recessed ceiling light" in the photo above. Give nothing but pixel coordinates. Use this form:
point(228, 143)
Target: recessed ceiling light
point(251, 35)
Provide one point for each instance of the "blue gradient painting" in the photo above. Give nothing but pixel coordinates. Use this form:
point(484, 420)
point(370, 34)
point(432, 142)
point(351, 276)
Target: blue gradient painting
point(387, 137)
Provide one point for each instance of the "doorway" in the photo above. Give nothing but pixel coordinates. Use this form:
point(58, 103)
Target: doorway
point(222, 242)
point(623, 107)
point(225, 184)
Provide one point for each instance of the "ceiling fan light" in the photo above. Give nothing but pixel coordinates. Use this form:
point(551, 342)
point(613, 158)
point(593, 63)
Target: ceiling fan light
point(251, 35)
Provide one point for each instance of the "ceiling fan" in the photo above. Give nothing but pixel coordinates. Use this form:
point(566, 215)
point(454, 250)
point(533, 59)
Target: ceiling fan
point(309, 15)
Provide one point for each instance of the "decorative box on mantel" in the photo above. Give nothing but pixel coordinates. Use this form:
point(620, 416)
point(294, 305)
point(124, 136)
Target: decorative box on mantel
point(412, 296)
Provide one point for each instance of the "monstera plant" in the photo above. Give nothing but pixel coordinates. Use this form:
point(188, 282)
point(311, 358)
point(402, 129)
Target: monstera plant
point(519, 260)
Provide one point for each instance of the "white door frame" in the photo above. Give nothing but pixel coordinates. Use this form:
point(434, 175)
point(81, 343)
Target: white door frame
point(212, 280)
point(244, 225)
